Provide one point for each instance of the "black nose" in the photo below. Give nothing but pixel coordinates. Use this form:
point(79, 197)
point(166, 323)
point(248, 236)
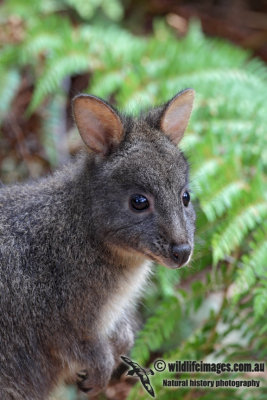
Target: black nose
point(180, 253)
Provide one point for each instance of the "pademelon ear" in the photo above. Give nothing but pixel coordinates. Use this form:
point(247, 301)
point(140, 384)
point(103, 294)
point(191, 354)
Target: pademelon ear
point(98, 123)
point(176, 115)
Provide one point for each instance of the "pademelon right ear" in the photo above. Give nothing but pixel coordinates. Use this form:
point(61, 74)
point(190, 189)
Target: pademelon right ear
point(176, 115)
point(99, 125)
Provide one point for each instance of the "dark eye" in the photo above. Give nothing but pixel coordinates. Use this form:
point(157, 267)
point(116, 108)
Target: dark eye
point(186, 198)
point(139, 202)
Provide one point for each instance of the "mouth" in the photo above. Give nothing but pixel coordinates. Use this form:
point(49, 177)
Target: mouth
point(166, 262)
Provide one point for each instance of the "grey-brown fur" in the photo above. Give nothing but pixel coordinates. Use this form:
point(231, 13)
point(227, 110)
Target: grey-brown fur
point(68, 242)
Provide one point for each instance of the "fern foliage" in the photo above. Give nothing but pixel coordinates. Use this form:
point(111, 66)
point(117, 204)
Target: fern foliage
point(158, 329)
point(214, 309)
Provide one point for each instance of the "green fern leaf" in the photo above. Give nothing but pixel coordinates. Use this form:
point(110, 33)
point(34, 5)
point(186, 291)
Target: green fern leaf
point(231, 237)
point(55, 73)
point(260, 301)
point(221, 201)
point(157, 329)
point(9, 84)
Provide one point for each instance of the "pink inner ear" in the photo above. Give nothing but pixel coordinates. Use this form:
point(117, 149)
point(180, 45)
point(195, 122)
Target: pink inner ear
point(99, 125)
point(91, 131)
point(176, 116)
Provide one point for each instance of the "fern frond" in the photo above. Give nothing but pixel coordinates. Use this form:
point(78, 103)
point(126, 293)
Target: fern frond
point(9, 84)
point(253, 266)
point(222, 200)
point(43, 42)
point(157, 329)
point(258, 259)
point(231, 237)
point(200, 175)
point(260, 301)
point(55, 73)
point(245, 280)
point(87, 9)
point(110, 83)
point(167, 279)
point(54, 135)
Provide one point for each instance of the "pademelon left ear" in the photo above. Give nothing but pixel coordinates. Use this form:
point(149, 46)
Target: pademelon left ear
point(176, 116)
point(99, 124)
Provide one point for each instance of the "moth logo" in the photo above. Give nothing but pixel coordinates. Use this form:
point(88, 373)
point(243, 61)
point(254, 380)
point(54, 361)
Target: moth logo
point(141, 373)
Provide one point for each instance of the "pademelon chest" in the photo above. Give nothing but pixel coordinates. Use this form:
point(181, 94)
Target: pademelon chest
point(124, 297)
